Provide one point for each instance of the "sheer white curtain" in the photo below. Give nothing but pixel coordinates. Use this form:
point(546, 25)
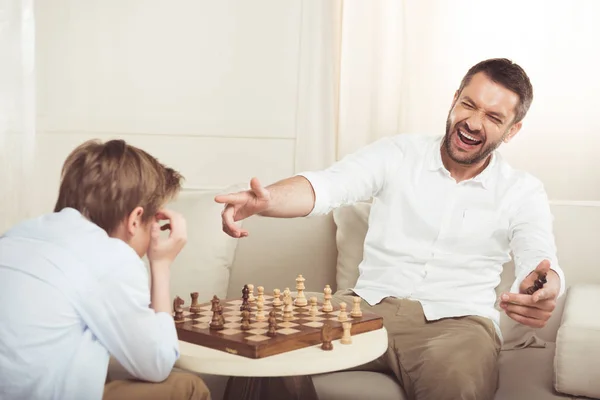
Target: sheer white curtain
point(17, 110)
point(400, 62)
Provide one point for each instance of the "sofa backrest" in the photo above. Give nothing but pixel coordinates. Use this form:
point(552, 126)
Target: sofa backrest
point(277, 250)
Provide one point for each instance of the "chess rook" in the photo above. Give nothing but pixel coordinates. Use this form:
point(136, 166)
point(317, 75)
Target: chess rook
point(346, 337)
point(195, 307)
point(356, 311)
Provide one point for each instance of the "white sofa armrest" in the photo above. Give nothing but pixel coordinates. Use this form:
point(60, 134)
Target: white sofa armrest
point(576, 362)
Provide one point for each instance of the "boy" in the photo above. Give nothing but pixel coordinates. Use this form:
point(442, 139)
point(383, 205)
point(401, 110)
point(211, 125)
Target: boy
point(74, 289)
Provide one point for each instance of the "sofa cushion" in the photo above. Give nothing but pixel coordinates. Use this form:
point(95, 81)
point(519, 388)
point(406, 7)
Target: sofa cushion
point(204, 264)
point(352, 223)
point(578, 343)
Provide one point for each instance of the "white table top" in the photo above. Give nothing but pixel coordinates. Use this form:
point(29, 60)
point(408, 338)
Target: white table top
point(365, 347)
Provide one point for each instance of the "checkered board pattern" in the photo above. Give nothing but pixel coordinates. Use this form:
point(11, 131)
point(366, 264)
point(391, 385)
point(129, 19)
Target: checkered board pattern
point(302, 330)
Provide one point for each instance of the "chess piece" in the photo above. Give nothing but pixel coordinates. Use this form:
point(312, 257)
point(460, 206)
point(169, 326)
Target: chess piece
point(251, 298)
point(260, 316)
point(327, 307)
point(300, 300)
point(215, 303)
point(356, 311)
point(195, 307)
point(178, 308)
point(313, 307)
point(343, 315)
point(245, 297)
point(245, 320)
point(326, 337)
point(220, 312)
point(287, 309)
point(346, 338)
point(272, 324)
point(261, 294)
point(276, 300)
point(538, 284)
point(286, 293)
point(216, 323)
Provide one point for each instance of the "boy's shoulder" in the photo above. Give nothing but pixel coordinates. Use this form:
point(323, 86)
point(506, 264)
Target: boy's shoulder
point(73, 244)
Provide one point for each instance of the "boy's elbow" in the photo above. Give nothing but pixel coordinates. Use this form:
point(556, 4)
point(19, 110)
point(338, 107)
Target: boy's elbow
point(158, 369)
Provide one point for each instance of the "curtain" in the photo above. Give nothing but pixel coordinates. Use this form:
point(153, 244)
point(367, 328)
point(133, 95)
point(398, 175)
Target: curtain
point(17, 110)
point(318, 84)
point(399, 63)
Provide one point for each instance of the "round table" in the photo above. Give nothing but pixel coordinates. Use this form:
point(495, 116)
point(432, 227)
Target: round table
point(245, 373)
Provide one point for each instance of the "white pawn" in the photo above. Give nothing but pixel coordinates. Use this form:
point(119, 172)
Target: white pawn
point(300, 298)
point(260, 315)
point(287, 308)
point(251, 298)
point(346, 338)
point(313, 307)
point(356, 311)
point(261, 294)
point(277, 301)
point(343, 315)
point(327, 307)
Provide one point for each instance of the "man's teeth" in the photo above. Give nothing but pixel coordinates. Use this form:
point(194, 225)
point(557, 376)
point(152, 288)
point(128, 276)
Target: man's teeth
point(468, 136)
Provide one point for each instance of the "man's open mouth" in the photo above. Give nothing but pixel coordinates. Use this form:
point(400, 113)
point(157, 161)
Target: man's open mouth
point(468, 139)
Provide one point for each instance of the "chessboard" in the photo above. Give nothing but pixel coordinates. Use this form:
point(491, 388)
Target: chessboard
point(258, 327)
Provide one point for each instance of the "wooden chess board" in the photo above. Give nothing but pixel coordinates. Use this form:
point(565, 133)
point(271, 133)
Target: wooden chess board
point(302, 330)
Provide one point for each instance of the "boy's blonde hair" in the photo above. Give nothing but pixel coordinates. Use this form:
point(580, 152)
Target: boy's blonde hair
point(105, 182)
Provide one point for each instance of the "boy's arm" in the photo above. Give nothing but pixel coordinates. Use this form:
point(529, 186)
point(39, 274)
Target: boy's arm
point(142, 339)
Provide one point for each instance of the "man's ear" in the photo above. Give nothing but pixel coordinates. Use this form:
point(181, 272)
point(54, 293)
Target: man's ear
point(134, 220)
point(513, 131)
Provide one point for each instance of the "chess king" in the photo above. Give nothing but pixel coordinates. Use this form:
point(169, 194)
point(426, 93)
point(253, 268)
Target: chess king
point(75, 289)
point(447, 212)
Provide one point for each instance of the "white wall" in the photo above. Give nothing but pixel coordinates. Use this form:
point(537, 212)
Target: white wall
point(209, 87)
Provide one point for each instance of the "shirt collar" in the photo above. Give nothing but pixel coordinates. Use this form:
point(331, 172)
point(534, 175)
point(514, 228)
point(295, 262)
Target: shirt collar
point(435, 164)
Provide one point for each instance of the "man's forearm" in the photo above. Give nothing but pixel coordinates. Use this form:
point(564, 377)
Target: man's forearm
point(159, 288)
point(291, 197)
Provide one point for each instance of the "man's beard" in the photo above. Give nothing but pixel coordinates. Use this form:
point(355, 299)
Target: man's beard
point(483, 153)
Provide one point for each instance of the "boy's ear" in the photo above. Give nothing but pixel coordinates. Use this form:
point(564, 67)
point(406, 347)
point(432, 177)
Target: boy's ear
point(134, 220)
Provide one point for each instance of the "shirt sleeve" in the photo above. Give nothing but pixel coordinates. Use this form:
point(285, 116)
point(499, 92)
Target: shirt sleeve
point(531, 234)
point(118, 313)
point(356, 177)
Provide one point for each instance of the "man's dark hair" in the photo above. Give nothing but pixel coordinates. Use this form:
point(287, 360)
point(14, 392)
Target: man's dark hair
point(508, 74)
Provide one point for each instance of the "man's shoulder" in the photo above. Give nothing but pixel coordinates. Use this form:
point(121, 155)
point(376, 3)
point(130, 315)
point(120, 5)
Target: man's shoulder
point(517, 180)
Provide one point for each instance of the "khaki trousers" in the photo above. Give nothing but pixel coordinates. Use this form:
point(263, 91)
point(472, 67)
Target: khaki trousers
point(178, 386)
point(451, 358)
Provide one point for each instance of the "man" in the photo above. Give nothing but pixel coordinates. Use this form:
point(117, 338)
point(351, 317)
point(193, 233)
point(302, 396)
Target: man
point(446, 214)
point(74, 289)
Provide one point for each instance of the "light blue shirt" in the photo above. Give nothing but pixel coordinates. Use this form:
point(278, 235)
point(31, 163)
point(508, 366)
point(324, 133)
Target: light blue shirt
point(70, 296)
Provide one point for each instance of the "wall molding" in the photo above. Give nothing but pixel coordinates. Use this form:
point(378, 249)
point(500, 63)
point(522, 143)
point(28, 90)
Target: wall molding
point(575, 203)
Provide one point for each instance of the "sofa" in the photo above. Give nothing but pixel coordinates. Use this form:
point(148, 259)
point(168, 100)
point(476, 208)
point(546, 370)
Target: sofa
point(559, 361)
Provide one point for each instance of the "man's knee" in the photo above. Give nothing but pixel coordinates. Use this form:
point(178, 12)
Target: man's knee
point(188, 386)
point(462, 375)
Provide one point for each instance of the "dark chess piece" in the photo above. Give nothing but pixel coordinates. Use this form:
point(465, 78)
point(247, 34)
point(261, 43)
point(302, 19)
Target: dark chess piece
point(195, 307)
point(326, 337)
point(245, 320)
point(538, 284)
point(245, 296)
point(217, 321)
point(178, 308)
point(215, 303)
point(272, 324)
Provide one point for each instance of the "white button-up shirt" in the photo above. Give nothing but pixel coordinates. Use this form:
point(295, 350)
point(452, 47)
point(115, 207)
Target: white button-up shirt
point(432, 239)
point(70, 296)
